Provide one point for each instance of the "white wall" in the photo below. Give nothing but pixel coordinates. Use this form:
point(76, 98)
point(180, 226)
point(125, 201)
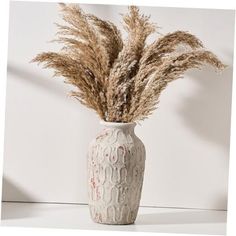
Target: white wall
point(47, 133)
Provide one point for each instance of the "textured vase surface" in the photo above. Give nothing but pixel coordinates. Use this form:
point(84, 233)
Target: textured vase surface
point(116, 161)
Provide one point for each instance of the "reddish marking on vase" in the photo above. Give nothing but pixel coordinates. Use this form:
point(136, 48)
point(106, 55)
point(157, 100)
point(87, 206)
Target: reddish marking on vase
point(97, 194)
point(102, 135)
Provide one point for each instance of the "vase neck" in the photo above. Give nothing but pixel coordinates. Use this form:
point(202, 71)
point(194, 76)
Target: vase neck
point(129, 127)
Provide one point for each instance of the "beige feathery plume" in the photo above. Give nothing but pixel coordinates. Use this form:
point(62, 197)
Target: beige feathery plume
point(111, 37)
point(126, 66)
point(121, 80)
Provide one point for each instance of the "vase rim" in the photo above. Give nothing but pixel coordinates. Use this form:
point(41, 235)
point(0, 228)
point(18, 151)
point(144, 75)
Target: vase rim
point(117, 124)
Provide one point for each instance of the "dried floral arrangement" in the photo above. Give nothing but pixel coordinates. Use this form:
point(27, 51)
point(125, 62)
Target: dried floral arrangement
point(121, 79)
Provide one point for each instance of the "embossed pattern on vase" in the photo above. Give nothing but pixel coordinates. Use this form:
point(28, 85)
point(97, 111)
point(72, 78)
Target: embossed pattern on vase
point(116, 161)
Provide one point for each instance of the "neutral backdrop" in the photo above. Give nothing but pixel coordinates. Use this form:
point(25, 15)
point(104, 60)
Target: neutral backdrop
point(47, 134)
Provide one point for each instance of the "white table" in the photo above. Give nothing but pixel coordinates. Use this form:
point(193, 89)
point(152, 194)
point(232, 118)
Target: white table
point(150, 219)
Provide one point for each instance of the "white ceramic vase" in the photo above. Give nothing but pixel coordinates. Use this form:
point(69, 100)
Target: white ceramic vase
point(116, 161)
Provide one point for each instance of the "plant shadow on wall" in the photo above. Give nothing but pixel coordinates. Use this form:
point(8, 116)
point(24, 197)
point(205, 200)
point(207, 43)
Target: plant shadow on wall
point(53, 87)
point(36, 79)
point(207, 112)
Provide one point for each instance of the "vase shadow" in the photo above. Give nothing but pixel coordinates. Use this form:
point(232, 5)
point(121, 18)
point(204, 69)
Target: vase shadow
point(183, 217)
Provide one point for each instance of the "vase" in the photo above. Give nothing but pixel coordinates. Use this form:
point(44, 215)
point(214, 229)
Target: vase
point(116, 162)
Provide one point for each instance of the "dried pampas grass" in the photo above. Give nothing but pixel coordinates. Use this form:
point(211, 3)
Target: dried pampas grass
point(121, 79)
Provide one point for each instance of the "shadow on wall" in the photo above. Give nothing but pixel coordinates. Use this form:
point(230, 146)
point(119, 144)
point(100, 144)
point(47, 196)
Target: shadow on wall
point(12, 192)
point(208, 112)
point(37, 80)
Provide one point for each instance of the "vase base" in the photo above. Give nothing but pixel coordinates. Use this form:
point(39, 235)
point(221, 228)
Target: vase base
point(119, 217)
point(113, 223)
